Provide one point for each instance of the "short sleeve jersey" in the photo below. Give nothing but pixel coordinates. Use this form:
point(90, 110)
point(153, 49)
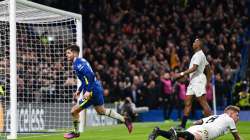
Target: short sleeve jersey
point(199, 59)
point(217, 125)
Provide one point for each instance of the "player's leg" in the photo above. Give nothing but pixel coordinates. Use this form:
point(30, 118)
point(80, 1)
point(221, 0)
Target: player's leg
point(185, 135)
point(100, 109)
point(75, 116)
point(187, 110)
point(173, 135)
point(76, 109)
point(98, 102)
point(203, 102)
point(170, 134)
point(195, 132)
point(200, 95)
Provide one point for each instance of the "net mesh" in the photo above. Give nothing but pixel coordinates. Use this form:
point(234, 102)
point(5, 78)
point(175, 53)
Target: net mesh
point(45, 81)
point(4, 68)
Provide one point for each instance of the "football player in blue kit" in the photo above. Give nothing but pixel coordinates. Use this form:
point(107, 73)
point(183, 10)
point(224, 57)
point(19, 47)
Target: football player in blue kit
point(92, 92)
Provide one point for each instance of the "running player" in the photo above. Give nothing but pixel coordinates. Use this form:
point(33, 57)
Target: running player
point(92, 92)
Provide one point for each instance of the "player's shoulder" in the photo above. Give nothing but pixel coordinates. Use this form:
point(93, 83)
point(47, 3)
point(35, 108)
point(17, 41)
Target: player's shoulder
point(80, 63)
point(80, 60)
point(226, 117)
point(213, 116)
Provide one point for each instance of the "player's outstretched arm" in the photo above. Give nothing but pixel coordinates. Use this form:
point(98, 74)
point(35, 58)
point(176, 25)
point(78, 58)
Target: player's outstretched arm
point(236, 136)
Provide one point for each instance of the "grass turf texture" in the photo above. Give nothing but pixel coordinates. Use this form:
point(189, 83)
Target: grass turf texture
point(119, 132)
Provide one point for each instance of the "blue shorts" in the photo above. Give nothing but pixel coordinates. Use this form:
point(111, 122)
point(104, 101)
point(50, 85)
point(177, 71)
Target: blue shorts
point(96, 99)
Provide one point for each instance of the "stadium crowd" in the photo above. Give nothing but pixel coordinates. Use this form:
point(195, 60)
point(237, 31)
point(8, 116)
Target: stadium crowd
point(136, 47)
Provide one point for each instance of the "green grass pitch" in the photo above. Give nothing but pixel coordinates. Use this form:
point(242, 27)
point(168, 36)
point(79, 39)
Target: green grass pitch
point(119, 132)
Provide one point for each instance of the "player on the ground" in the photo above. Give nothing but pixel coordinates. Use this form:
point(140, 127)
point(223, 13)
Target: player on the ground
point(92, 92)
point(198, 81)
point(207, 128)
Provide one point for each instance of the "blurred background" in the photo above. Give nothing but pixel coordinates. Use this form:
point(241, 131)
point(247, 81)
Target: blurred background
point(135, 46)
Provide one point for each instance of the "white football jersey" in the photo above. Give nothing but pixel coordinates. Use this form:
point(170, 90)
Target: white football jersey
point(199, 59)
point(217, 125)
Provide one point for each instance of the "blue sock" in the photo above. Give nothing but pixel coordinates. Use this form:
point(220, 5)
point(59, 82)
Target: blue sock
point(184, 121)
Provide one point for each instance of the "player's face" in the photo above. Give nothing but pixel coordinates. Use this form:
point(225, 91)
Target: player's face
point(235, 116)
point(69, 55)
point(196, 44)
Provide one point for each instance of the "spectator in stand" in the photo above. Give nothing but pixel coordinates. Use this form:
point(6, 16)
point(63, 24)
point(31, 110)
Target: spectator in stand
point(244, 96)
point(152, 95)
point(129, 109)
point(174, 58)
point(209, 95)
point(180, 91)
point(219, 90)
point(167, 95)
point(135, 92)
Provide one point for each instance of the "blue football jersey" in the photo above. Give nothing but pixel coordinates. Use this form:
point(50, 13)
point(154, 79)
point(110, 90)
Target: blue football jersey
point(86, 75)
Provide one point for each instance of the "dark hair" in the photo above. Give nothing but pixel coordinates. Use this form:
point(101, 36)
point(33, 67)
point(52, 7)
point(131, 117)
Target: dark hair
point(201, 40)
point(74, 48)
point(233, 108)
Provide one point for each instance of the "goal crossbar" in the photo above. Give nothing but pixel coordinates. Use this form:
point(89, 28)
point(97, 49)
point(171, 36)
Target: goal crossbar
point(23, 12)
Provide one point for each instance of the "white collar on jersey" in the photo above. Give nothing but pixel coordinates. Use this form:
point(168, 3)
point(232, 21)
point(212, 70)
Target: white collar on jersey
point(74, 59)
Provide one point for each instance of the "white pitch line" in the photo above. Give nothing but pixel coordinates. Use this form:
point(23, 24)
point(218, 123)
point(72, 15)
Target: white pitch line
point(29, 137)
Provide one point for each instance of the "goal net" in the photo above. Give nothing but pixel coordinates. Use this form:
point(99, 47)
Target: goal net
point(45, 81)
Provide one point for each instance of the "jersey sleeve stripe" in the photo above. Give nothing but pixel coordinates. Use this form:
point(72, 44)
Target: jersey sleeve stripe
point(233, 130)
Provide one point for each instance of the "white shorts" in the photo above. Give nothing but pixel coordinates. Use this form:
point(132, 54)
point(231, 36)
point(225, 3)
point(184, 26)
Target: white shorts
point(197, 86)
point(198, 130)
point(197, 89)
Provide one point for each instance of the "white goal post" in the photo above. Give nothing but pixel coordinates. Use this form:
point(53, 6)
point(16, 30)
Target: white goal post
point(36, 82)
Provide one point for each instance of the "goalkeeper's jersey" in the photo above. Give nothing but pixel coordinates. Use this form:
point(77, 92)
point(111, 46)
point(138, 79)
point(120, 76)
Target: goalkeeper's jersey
point(86, 75)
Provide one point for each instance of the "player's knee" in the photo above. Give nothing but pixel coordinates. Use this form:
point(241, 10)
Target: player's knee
point(188, 104)
point(207, 110)
point(100, 112)
point(73, 113)
point(203, 103)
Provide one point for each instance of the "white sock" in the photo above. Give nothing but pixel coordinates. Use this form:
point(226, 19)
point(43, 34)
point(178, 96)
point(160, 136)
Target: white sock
point(113, 114)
